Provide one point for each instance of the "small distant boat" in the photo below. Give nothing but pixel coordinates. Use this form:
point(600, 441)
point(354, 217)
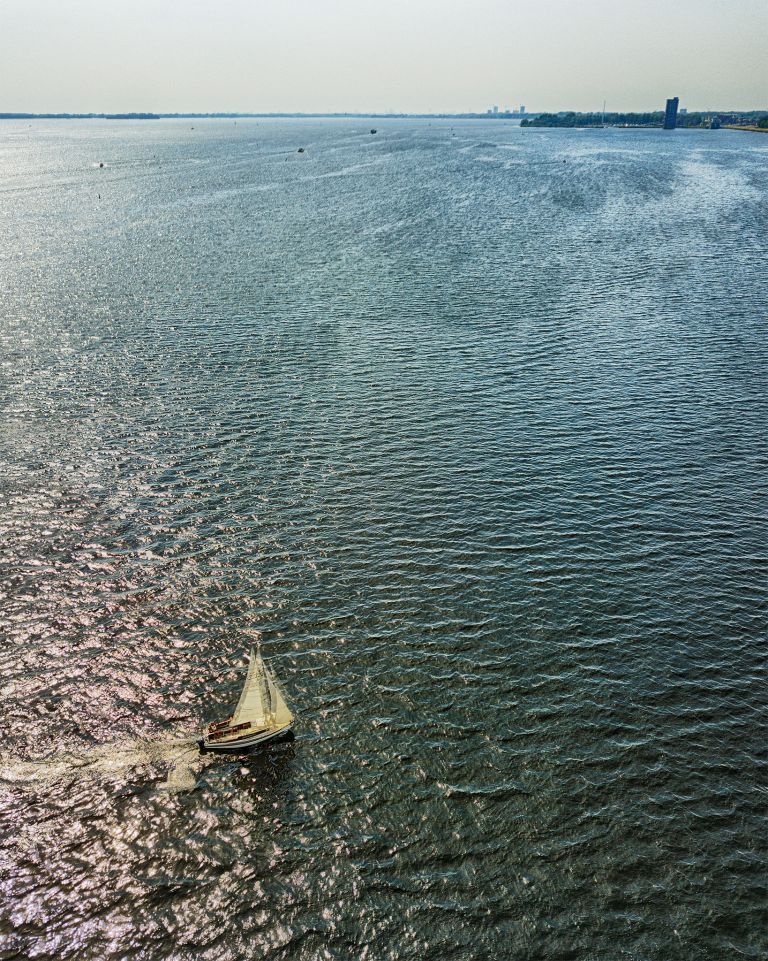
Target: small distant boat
point(373, 130)
point(261, 715)
point(300, 150)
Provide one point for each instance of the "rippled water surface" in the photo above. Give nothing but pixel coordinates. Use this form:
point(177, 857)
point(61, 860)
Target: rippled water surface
point(469, 422)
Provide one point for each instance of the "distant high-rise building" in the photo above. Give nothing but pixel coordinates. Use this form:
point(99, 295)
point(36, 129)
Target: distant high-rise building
point(522, 108)
point(670, 114)
point(496, 109)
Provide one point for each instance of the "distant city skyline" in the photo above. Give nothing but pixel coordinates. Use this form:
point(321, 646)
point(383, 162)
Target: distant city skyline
point(407, 56)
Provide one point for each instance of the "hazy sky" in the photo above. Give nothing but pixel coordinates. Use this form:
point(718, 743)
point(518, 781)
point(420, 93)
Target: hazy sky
point(358, 55)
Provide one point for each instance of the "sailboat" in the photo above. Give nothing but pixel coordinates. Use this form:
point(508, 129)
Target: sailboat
point(261, 715)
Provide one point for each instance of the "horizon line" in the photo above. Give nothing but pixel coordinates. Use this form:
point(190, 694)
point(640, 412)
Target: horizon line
point(397, 114)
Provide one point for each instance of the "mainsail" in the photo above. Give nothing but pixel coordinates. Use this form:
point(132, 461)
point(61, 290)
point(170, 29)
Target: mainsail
point(261, 702)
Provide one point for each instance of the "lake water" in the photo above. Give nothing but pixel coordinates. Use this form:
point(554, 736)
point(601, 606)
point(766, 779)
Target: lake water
point(469, 422)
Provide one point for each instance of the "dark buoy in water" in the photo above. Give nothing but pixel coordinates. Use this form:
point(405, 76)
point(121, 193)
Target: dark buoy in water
point(300, 150)
point(373, 130)
point(101, 163)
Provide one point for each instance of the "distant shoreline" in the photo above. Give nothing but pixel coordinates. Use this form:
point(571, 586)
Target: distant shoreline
point(79, 116)
point(655, 119)
point(751, 127)
point(264, 116)
point(731, 120)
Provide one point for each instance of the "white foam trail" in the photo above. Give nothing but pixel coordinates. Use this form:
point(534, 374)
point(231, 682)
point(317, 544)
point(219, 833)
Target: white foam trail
point(181, 777)
point(106, 760)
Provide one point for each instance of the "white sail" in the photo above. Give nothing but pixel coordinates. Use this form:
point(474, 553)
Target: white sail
point(254, 704)
point(281, 714)
point(262, 701)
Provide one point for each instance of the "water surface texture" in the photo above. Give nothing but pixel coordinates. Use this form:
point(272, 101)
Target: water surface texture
point(469, 422)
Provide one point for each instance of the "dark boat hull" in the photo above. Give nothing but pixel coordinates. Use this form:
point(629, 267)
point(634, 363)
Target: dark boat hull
point(247, 742)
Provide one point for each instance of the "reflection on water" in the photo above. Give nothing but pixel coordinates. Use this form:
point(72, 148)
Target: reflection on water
point(470, 424)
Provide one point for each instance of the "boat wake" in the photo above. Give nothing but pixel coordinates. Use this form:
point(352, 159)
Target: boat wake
point(181, 757)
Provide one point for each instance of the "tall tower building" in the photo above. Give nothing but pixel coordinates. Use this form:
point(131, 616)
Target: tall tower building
point(670, 114)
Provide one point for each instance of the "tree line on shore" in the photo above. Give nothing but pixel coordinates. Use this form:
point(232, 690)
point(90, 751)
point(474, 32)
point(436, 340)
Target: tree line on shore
point(756, 118)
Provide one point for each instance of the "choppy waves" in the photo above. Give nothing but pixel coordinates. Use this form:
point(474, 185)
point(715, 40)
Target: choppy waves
point(475, 439)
